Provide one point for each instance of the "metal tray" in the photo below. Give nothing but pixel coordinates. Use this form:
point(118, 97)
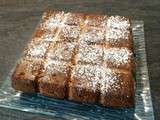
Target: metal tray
point(64, 109)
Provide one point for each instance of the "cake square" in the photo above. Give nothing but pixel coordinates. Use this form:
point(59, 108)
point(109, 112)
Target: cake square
point(118, 22)
point(83, 86)
point(92, 36)
point(76, 19)
point(119, 58)
point(118, 38)
point(53, 81)
point(117, 89)
point(118, 32)
point(52, 20)
point(90, 54)
point(62, 51)
point(69, 33)
point(36, 49)
point(25, 75)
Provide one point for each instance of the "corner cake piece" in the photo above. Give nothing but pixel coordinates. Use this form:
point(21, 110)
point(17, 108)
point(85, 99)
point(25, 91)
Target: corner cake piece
point(25, 75)
point(82, 57)
point(52, 19)
point(118, 32)
point(118, 22)
point(117, 89)
point(53, 81)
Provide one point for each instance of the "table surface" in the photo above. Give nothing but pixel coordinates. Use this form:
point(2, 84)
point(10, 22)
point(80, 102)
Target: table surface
point(18, 19)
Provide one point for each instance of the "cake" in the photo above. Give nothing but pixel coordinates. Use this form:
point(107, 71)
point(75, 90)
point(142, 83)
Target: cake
point(86, 58)
point(83, 86)
point(25, 75)
point(53, 81)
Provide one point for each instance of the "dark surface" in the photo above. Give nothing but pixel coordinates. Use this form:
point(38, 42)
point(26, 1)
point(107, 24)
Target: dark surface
point(18, 20)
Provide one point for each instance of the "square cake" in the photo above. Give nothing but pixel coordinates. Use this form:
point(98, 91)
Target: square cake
point(80, 57)
point(54, 79)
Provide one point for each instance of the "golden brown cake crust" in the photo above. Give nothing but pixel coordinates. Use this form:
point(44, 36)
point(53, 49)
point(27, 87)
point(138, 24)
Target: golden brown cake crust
point(53, 81)
point(120, 92)
point(25, 75)
point(82, 57)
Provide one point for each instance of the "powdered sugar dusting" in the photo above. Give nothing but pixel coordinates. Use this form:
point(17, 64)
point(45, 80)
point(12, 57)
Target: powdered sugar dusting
point(93, 76)
point(118, 22)
point(86, 76)
point(117, 56)
point(70, 31)
point(117, 29)
point(116, 35)
point(53, 66)
point(92, 36)
point(36, 50)
point(108, 81)
point(62, 51)
point(53, 21)
point(90, 54)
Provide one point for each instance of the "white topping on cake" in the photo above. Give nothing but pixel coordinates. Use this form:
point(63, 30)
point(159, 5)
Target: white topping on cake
point(62, 51)
point(108, 80)
point(117, 56)
point(117, 29)
point(90, 54)
point(36, 49)
point(118, 22)
point(90, 77)
point(92, 36)
point(52, 66)
point(54, 21)
point(116, 35)
point(70, 31)
point(85, 74)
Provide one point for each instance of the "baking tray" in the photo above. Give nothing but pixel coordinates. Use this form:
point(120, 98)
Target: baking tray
point(64, 109)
